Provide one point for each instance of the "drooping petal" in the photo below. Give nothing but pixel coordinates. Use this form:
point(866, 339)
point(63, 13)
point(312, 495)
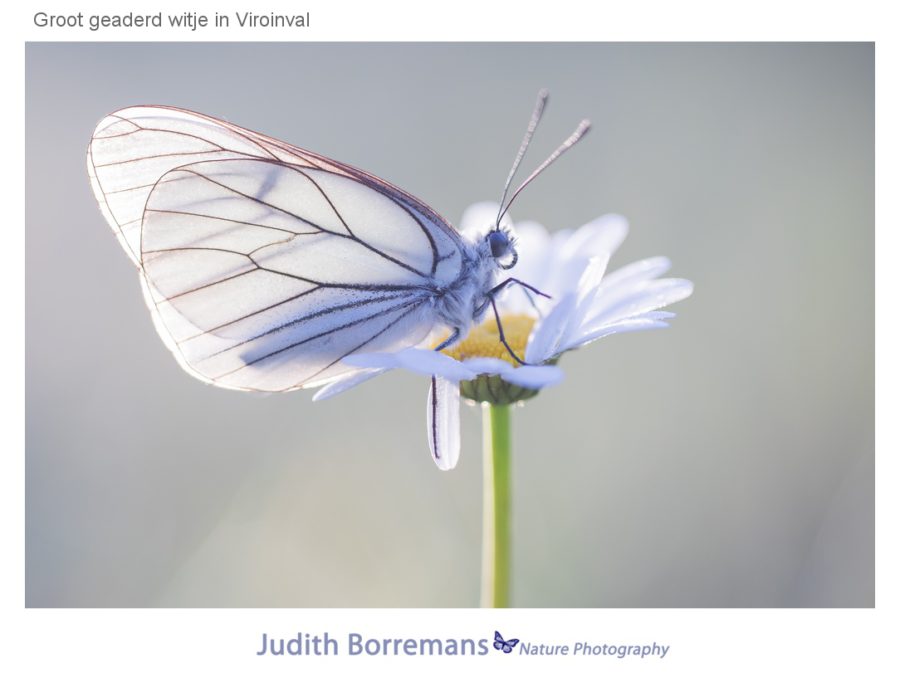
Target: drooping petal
point(341, 385)
point(421, 361)
point(533, 376)
point(443, 422)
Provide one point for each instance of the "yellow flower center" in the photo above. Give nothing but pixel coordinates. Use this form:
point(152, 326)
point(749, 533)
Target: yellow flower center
point(484, 341)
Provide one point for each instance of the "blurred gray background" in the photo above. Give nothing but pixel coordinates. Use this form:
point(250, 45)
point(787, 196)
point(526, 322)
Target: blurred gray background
point(727, 461)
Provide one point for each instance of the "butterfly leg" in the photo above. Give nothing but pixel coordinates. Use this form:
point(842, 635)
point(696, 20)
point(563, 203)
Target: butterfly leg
point(528, 292)
point(449, 341)
point(503, 336)
point(510, 281)
point(496, 290)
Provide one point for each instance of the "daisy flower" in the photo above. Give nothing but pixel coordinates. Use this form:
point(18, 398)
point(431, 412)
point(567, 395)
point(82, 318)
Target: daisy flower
point(584, 303)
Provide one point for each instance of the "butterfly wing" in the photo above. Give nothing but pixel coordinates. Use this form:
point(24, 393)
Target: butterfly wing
point(265, 265)
point(132, 148)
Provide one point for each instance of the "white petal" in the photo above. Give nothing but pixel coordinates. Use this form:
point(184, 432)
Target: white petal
point(573, 251)
point(379, 361)
point(629, 302)
point(481, 217)
point(443, 422)
point(658, 315)
point(586, 291)
point(552, 272)
point(645, 269)
point(534, 376)
point(348, 382)
point(593, 274)
point(487, 366)
point(601, 235)
point(532, 238)
point(548, 332)
point(421, 361)
point(570, 251)
point(427, 362)
point(630, 325)
point(535, 266)
point(559, 239)
point(533, 245)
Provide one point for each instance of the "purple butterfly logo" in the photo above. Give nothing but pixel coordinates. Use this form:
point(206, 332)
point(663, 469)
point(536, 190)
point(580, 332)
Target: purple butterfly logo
point(505, 645)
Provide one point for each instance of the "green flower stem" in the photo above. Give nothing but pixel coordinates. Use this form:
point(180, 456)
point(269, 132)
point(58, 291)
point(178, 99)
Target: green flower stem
point(495, 549)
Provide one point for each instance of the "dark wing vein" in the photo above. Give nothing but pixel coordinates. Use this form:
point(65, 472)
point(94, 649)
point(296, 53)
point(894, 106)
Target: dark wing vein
point(302, 319)
point(364, 243)
point(332, 330)
point(162, 155)
point(229, 220)
point(358, 346)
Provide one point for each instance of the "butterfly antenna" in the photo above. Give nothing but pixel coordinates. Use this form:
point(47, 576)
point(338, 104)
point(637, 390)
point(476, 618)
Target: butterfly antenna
point(543, 95)
point(579, 133)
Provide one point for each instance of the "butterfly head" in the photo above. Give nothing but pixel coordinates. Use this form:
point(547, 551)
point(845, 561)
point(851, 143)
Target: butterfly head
point(503, 247)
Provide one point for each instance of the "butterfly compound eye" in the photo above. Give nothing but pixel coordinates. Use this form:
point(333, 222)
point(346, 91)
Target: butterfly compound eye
point(502, 248)
point(499, 243)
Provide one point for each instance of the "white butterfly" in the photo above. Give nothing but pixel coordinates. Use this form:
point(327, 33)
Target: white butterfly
point(265, 265)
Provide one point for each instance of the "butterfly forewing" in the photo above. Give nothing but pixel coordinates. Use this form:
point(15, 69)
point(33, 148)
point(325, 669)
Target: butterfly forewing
point(264, 265)
point(134, 147)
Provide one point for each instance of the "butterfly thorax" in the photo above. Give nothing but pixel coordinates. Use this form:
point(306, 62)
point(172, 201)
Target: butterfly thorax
point(464, 301)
